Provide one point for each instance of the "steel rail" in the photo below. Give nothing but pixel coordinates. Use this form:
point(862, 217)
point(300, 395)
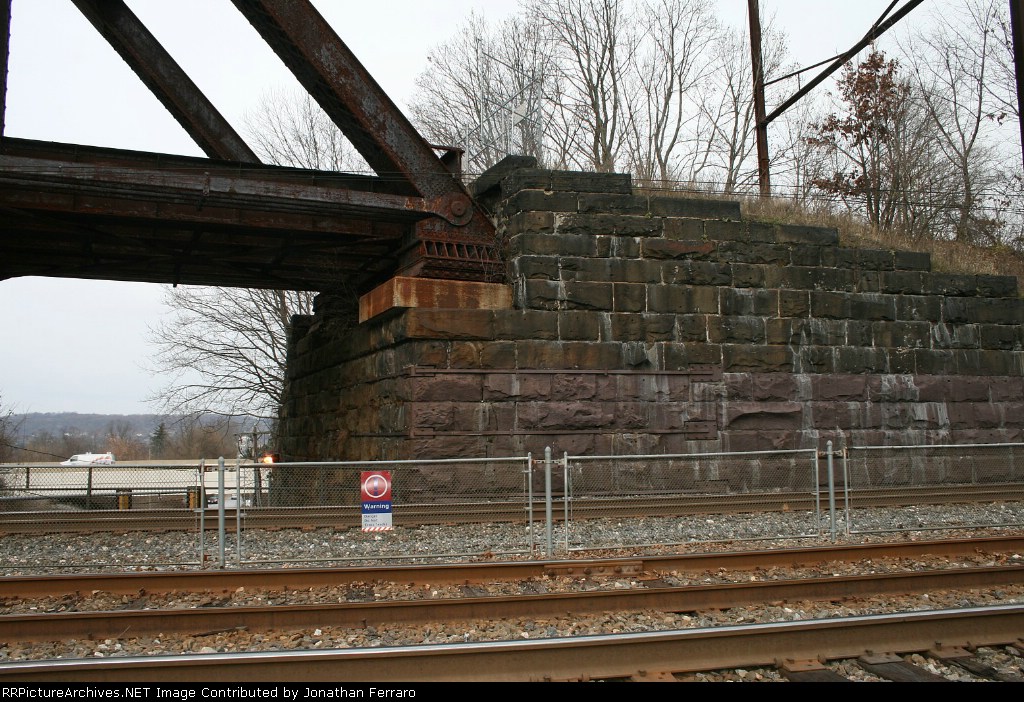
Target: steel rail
point(476, 512)
point(145, 622)
point(580, 658)
point(29, 586)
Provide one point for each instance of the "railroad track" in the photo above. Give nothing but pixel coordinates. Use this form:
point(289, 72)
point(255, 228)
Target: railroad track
point(800, 649)
point(792, 647)
point(634, 506)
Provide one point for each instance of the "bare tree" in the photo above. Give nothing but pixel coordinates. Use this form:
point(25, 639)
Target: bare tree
point(226, 349)
point(670, 64)
point(291, 129)
point(594, 45)
point(952, 66)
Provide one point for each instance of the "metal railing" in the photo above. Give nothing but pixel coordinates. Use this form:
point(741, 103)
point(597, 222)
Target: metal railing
point(428, 498)
point(661, 487)
point(929, 481)
point(468, 508)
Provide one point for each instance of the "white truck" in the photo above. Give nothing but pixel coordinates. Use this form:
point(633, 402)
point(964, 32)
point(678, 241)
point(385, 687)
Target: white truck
point(90, 459)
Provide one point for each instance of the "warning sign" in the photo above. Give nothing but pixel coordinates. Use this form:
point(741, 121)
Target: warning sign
point(375, 487)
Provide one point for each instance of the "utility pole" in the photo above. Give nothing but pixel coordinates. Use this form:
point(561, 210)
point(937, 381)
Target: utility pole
point(1016, 18)
point(760, 124)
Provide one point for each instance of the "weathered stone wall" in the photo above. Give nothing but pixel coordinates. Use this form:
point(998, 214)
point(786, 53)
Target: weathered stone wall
point(660, 324)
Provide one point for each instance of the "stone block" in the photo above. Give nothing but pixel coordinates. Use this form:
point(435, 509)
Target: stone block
point(577, 325)
point(677, 299)
point(681, 356)
point(446, 387)
point(574, 386)
point(763, 416)
point(757, 359)
point(996, 311)
point(608, 224)
point(690, 327)
point(846, 388)
point(526, 324)
point(893, 388)
point(794, 303)
point(697, 273)
point(540, 354)
point(529, 223)
point(731, 231)
point(855, 359)
point(831, 305)
point(805, 255)
point(632, 270)
point(747, 275)
point(912, 261)
point(784, 331)
point(876, 260)
point(588, 296)
point(618, 246)
point(592, 356)
point(1000, 336)
point(902, 360)
point(448, 324)
point(1007, 389)
point(806, 234)
point(997, 285)
point(902, 334)
point(746, 301)
point(541, 295)
point(684, 229)
point(536, 267)
point(736, 330)
point(935, 362)
point(498, 354)
point(552, 245)
point(873, 307)
point(589, 182)
point(903, 282)
point(642, 327)
point(814, 359)
point(868, 281)
point(613, 203)
point(918, 308)
point(949, 284)
point(669, 249)
point(775, 387)
point(956, 310)
point(542, 201)
point(629, 297)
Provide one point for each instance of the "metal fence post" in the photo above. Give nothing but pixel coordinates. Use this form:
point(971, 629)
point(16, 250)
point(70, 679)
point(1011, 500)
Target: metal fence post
point(566, 497)
point(831, 492)
point(220, 511)
point(548, 518)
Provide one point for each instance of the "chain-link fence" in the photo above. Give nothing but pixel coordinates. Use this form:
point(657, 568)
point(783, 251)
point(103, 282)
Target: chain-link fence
point(935, 487)
point(428, 505)
point(328, 513)
point(80, 499)
point(615, 501)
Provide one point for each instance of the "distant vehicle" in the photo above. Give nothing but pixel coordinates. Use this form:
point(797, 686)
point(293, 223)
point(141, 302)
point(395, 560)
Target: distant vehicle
point(90, 459)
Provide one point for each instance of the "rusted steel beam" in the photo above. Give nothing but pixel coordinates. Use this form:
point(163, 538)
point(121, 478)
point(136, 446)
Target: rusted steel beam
point(5, 43)
point(154, 187)
point(347, 92)
point(166, 79)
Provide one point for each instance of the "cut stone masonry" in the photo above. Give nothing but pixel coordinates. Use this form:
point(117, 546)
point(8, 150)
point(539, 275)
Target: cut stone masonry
point(656, 324)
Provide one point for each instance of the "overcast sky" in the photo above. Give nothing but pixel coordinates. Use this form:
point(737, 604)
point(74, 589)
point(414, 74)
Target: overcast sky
point(81, 346)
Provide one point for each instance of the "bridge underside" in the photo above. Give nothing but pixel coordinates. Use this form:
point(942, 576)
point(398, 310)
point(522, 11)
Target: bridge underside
point(83, 212)
point(229, 220)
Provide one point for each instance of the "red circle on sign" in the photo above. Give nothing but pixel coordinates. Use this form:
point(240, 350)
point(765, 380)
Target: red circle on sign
point(375, 486)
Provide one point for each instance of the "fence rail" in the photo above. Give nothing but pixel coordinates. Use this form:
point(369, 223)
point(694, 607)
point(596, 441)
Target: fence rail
point(554, 504)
